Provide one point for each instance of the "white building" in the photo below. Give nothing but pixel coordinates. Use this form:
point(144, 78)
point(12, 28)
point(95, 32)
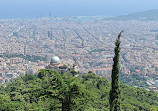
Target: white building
point(55, 64)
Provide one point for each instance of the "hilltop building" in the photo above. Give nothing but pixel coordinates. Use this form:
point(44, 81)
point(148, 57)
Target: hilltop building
point(55, 64)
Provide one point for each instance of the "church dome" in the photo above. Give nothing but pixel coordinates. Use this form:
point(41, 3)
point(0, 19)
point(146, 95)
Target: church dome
point(55, 59)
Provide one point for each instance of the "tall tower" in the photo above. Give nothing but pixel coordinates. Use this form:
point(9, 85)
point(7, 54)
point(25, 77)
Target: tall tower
point(24, 49)
point(50, 14)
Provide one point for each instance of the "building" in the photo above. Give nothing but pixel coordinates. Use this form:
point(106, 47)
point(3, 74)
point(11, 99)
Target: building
point(55, 64)
point(106, 72)
point(156, 83)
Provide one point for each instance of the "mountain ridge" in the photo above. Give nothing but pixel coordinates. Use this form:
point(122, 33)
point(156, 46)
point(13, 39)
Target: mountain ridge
point(145, 15)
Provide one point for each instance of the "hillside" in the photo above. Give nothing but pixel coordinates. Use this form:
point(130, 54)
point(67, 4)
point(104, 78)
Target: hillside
point(52, 91)
point(146, 15)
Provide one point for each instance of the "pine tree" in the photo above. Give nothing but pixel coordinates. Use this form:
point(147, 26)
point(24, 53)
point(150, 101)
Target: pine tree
point(115, 87)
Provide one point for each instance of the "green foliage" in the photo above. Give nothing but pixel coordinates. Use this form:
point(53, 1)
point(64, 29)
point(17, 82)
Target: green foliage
point(90, 72)
point(54, 92)
point(115, 85)
point(73, 72)
point(134, 80)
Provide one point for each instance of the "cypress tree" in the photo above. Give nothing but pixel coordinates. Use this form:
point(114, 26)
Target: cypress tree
point(115, 87)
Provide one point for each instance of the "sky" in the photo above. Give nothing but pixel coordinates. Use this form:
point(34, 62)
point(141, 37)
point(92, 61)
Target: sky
point(61, 8)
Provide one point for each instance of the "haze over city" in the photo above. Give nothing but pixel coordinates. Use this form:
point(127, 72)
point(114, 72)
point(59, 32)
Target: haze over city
point(61, 8)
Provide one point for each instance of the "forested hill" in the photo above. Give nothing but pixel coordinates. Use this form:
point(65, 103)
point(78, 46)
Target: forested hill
point(50, 91)
point(146, 15)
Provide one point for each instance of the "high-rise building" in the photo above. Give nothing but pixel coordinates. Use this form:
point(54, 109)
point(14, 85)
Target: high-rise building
point(156, 83)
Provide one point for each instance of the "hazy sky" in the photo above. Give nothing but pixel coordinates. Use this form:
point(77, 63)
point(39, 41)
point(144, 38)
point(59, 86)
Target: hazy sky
point(41, 8)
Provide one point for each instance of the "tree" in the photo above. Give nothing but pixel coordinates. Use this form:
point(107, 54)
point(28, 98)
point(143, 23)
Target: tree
point(73, 72)
point(68, 90)
point(115, 87)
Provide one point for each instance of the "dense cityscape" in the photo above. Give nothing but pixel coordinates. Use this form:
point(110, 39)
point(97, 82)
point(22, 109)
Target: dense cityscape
point(87, 43)
point(78, 55)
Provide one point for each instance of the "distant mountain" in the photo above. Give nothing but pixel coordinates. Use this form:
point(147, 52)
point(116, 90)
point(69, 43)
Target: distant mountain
point(146, 15)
